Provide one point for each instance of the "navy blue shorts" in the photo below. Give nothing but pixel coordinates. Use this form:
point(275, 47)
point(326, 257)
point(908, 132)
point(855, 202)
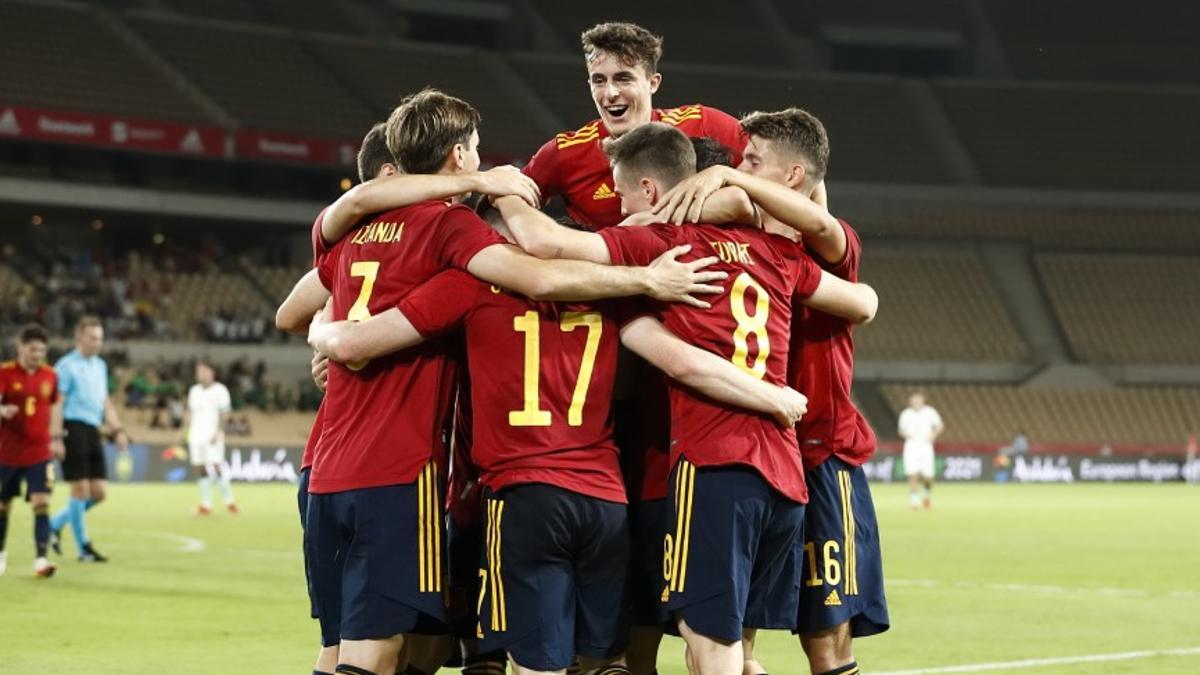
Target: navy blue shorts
point(375, 560)
point(647, 526)
point(732, 552)
point(38, 478)
point(554, 582)
point(302, 502)
point(843, 566)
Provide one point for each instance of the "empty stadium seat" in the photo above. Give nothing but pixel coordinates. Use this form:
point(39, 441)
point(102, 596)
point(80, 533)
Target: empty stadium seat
point(808, 17)
point(1126, 309)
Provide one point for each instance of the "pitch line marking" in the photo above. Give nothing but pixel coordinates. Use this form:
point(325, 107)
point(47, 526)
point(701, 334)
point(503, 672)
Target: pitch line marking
point(186, 544)
point(1039, 588)
point(1055, 661)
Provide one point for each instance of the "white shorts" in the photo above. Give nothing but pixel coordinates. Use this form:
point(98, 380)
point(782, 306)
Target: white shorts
point(918, 459)
point(202, 454)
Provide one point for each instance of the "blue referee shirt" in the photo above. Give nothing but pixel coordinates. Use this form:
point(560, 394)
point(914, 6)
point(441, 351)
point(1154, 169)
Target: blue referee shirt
point(83, 381)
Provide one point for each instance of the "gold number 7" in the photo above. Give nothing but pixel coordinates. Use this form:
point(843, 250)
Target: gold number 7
point(531, 413)
point(369, 271)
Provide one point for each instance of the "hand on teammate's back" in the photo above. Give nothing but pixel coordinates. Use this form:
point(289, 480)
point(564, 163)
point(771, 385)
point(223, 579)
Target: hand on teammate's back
point(685, 202)
point(674, 281)
point(8, 411)
point(508, 180)
point(320, 370)
point(793, 405)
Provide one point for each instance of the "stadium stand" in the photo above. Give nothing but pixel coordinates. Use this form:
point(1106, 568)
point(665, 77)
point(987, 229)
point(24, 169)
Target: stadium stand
point(936, 306)
point(1078, 137)
point(48, 73)
point(993, 413)
point(263, 77)
point(1048, 40)
point(1126, 309)
point(224, 10)
point(807, 18)
point(276, 282)
point(384, 73)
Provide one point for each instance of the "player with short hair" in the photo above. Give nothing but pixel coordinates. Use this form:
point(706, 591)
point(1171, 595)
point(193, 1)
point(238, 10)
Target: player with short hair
point(207, 413)
point(370, 588)
point(622, 67)
point(83, 382)
point(919, 425)
point(30, 433)
point(724, 462)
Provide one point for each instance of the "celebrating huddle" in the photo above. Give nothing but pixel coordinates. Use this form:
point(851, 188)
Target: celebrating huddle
point(499, 463)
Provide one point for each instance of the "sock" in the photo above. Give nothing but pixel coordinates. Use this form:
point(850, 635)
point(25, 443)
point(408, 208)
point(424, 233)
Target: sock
point(491, 663)
point(321, 672)
point(89, 503)
point(205, 490)
point(914, 498)
point(60, 519)
point(3, 530)
point(613, 670)
point(76, 507)
point(226, 489)
point(41, 532)
point(925, 493)
point(352, 670)
point(848, 669)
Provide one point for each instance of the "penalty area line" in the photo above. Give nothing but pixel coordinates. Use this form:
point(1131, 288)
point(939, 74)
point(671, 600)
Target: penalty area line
point(1054, 661)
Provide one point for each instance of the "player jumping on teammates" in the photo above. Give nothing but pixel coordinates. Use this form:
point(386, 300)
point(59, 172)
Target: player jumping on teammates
point(207, 413)
point(30, 433)
point(919, 426)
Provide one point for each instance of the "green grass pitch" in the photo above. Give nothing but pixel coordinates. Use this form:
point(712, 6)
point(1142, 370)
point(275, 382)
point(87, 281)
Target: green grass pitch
point(993, 574)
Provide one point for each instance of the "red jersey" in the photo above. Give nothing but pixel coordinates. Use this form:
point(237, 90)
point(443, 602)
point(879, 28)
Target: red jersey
point(319, 249)
point(821, 366)
point(384, 419)
point(25, 439)
point(749, 323)
point(574, 165)
point(541, 383)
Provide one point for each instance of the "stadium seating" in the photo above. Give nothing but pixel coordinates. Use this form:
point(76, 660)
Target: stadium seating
point(265, 79)
point(187, 299)
point(935, 306)
point(1126, 309)
point(805, 18)
point(1076, 137)
point(277, 282)
point(1052, 40)
point(309, 15)
point(994, 413)
point(43, 48)
point(384, 73)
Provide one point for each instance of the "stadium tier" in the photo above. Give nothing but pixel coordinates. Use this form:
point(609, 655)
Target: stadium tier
point(808, 18)
point(994, 413)
point(117, 80)
point(193, 301)
point(265, 78)
point(275, 282)
point(1122, 309)
point(1077, 137)
point(936, 306)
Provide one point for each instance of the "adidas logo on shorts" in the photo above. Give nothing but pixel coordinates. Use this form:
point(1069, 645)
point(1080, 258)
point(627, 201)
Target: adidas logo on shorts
point(833, 599)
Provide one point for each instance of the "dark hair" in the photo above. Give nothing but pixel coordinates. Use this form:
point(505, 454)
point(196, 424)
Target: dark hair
point(426, 126)
point(710, 152)
point(797, 131)
point(629, 42)
point(654, 148)
point(33, 332)
point(374, 153)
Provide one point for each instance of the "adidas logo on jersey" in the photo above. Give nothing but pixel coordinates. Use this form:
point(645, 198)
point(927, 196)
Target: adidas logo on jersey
point(833, 599)
point(603, 192)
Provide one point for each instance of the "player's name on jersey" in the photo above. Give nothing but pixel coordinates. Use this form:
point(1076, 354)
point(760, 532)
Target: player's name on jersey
point(378, 233)
point(733, 252)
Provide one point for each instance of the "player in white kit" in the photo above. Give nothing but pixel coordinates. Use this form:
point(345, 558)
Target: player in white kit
point(920, 425)
point(208, 407)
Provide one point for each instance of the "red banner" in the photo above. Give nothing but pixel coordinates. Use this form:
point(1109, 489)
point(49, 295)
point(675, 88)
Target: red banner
point(111, 132)
point(284, 147)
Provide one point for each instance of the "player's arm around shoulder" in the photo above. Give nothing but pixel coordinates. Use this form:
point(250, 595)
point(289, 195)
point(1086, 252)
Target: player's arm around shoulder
point(540, 236)
point(710, 374)
point(305, 299)
point(854, 302)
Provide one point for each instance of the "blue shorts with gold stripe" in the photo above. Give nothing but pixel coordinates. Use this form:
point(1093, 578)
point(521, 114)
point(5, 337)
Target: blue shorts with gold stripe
point(375, 560)
point(731, 552)
point(553, 575)
point(38, 478)
point(843, 567)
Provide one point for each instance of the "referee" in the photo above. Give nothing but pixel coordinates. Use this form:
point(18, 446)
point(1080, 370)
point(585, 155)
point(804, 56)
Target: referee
point(83, 383)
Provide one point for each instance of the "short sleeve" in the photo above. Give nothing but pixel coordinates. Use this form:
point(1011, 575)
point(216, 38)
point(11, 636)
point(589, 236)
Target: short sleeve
point(327, 266)
point(66, 382)
point(55, 394)
point(808, 276)
point(725, 128)
point(847, 268)
point(319, 246)
point(463, 234)
point(637, 245)
point(224, 404)
point(440, 304)
point(544, 169)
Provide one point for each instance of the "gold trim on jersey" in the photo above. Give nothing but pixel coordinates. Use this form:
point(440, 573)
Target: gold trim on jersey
point(849, 552)
point(676, 116)
point(585, 134)
point(677, 547)
point(429, 535)
point(495, 565)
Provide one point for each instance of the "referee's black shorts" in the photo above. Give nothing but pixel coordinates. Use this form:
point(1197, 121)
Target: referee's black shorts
point(84, 459)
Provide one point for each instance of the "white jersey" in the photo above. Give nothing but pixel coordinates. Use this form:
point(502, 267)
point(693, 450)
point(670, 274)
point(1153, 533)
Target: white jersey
point(206, 405)
point(920, 425)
